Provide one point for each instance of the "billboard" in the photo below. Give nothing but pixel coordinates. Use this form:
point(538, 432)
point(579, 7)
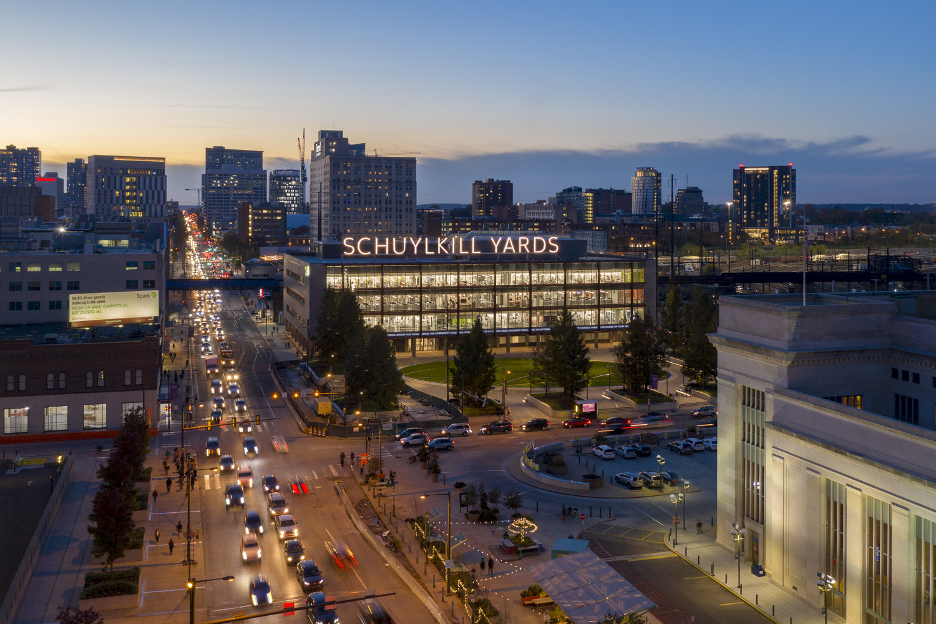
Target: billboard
point(113, 308)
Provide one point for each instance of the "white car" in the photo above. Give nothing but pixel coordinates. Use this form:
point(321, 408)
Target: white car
point(245, 476)
point(416, 439)
point(604, 452)
point(250, 548)
point(710, 444)
point(696, 443)
point(630, 479)
point(461, 429)
point(627, 452)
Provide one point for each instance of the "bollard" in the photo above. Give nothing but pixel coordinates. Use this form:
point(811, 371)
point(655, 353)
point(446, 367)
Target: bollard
point(741, 589)
point(685, 551)
point(755, 600)
point(713, 568)
point(590, 514)
point(713, 520)
point(580, 459)
point(433, 581)
point(443, 479)
point(600, 510)
point(537, 506)
point(698, 559)
point(726, 577)
point(609, 511)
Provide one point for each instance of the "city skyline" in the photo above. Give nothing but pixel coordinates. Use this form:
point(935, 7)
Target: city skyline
point(710, 98)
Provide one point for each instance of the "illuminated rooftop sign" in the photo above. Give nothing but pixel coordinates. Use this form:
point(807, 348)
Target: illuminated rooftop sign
point(449, 246)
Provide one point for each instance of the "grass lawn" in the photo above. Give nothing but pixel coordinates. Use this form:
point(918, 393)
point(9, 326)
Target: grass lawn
point(519, 375)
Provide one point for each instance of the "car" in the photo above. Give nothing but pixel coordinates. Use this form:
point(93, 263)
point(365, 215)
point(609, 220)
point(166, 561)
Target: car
point(498, 426)
point(416, 439)
point(309, 576)
point(230, 374)
point(535, 424)
point(652, 480)
point(250, 548)
point(643, 450)
point(260, 591)
point(250, 446)
point(240, 405)
point(603, 451)
point(215, 417)
point(671, 477)
point(279, 444)
point(245, 476)
point(294, 551)
point(243, 425)
point(442, 444)
point(218, 403)
point(706, 411)
point(408, 432)
point(233, 496)
point(270, 484)
point(233, 390)
point(461, 429)
point(286, 526)
point(324, 608)
point(654, 415)
point(253, 523)
point(683, 447)
point(710, 444)
point(206, 348)
point(627, 452)
point(226, 464)
point(213, 447)
point(631, 479)
point(576, 421)
point(696, 443)
point(215, 386)
point(340, 553)
point(372, 612)
point(615, 420)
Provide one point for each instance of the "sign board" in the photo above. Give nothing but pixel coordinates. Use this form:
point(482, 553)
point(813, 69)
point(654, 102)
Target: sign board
point(581, 516)
point(676, 520)
point(449, 564)
point(112, 308)
point(387, 426)
point(449, 246)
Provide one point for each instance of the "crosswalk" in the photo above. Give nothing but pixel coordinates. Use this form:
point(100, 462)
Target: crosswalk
point(213, 481)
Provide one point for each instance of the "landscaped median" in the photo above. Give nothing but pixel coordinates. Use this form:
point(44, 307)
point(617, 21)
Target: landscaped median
point(107, 591)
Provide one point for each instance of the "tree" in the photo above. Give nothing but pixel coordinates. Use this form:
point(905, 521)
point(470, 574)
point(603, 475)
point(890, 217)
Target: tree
point(473, 365)
point(74, 615)
point(539, 366)
point(513, 500)
point(639, 355)
point(340, 317)
point(112, 515)
point(700, 359)
point(672, 315)
point(371, 368)
point(494, 497)
point(566, 356)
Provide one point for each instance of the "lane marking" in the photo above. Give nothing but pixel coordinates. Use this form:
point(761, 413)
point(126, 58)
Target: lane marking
point(207, 482)
point(334, 472)
point(731, 604)
point(314, 475)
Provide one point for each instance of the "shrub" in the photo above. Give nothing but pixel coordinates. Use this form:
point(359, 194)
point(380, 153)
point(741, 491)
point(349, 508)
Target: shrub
point(558, 461)
point(130, 574)
point(142, 502)
point(109, 589)
point(136, 538)
point(532, 590)
point(486, 607)
point(144, 475)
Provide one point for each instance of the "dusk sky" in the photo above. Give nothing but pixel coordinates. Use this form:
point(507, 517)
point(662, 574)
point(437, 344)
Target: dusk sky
point(547, 94)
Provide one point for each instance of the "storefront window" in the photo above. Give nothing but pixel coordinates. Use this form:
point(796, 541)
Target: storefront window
point(16, 420)
point(56, 418)
point(95, 416)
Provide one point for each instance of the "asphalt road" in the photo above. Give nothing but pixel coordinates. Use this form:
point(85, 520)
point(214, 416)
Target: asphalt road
point(319, 514)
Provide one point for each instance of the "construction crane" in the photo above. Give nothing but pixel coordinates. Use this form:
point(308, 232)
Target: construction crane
point(398, 153)
point(303, 178)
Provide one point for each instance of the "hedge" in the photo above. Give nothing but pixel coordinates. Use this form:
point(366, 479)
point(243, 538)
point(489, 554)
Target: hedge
point(94, 578)
point(136, 538)
point(144, 475)
point(109, 589)
point(142, 502)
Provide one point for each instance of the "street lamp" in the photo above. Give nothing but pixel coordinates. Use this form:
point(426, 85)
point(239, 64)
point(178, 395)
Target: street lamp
point(825, 584)
point(504, 401)
point(448, 532)
point(685, 518)
point(661, 461)
point(675, 498)
point(738, 533)
point(191, 590)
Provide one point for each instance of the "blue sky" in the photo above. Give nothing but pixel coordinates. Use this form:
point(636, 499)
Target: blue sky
point(547, 94)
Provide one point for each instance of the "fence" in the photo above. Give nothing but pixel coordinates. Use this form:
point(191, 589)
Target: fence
point(24, 572)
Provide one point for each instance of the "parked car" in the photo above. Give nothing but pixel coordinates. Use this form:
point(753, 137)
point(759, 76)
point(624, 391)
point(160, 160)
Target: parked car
point(706, 411)
point(498, 426)
point(696, 444)
point(536, 424)
point(576, 421)
point(627, 452)
point(671, 477)
point(631, 479)
point(603, 451)
point(683, 447)
point(415, 439)
point(710, 444)
point(455, 429)
point(643, 450)
point(653, 415)
point(233, 496)
point(442, 444)
point(408, 432)
point(652, 480)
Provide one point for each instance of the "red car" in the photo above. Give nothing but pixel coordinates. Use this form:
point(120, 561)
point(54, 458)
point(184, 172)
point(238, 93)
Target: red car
point(578, 421)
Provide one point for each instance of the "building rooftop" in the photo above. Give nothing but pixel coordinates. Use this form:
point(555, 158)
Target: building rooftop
point(60, 333)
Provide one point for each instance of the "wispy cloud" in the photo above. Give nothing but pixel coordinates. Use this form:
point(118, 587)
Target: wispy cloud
point(23, 88)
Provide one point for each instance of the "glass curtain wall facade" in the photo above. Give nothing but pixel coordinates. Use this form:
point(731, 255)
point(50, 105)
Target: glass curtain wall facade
point(443, 299)
point(878, 565)
point(754, 417)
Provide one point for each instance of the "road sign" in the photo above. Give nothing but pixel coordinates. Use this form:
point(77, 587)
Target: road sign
point(449, 564)
point(676, 520)
point(581, 516)
point(387, 426)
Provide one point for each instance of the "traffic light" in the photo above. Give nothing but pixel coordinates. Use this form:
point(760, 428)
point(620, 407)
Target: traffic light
point(234, 422)
point(258, 419)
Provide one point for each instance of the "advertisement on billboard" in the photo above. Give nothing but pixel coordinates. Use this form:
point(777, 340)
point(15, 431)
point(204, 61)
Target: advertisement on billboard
point(112, 308)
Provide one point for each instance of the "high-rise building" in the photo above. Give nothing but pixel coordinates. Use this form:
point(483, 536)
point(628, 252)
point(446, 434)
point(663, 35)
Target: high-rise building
point(764, 199)
point(19, 167)
point(351, 193)
point(689, 201)
point(262, 223)
point(52, 184)
point(286, 189)
point(77, 173)
point(604, 202)
point(645, 186)
point(488, 194)
point(126, 187)
point(231, 177)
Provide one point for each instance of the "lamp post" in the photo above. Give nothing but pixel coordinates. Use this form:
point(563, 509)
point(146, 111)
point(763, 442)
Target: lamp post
point(825, 584)
point(504, 400)
point(448, 532)
point(738, 533)
point(191, 589)
point(685, 518)
point(728, 238)
point(660, 460)
point(675, 498)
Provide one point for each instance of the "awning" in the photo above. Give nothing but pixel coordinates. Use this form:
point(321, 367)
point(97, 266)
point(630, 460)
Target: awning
point(587, 589)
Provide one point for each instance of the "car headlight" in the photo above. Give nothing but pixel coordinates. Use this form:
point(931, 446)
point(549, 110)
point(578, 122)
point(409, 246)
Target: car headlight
point(259, 553)
point(244, 555)
point(289, 559)
point(253, 597)
point(261, 528)
point(285, 510)
point(281, 534)
point(242, 500)
point(247, 530)
point(296, 532)
point(251, 483)
point(269, 597)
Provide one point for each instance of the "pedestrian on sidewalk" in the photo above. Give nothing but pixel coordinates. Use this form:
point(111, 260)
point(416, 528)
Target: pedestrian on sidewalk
point(490, 566)
point(168, 483)
point(157, 535)
point(155, 496)
point(166, 465)
point(171, 545)
point(179, 528)
point(698, 526)
point(352, 459)
point(341, 457)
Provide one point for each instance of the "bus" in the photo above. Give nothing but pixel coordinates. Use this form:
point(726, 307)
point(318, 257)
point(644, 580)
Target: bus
point(211, 364)
point(227, 356)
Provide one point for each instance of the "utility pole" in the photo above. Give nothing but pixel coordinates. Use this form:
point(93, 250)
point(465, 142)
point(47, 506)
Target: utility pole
point(672, 227)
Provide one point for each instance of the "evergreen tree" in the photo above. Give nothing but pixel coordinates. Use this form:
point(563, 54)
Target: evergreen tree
point(340, 317)
point(473, 365)
point(639, 355)
point(700, 358)
point(112, 515)
point(672, 317)
point(371, 370)
point(566, 356)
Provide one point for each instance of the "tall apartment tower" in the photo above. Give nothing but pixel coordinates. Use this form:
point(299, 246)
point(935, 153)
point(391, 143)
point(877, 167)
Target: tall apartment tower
point(286, 188)
point(77, 179)
point(231, 177)
point(488, 194)
point(52, 184)
point(764, 199)
point(351, 193)
point(603, 203)
point(689, 201)
point(645, 186)
point(19, 167)
point(126, 187)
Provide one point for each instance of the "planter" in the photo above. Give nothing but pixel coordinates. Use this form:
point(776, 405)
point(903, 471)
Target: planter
point(412, 459)
point(422, 464)
point(473, 516)
point(111, 604)
point(557, 470)
point(593, 480)
point(434, 476)
point(139, 517)
point(130, 556)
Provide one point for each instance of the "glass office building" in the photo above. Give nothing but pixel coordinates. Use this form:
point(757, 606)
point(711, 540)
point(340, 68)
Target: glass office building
point(422, 300)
